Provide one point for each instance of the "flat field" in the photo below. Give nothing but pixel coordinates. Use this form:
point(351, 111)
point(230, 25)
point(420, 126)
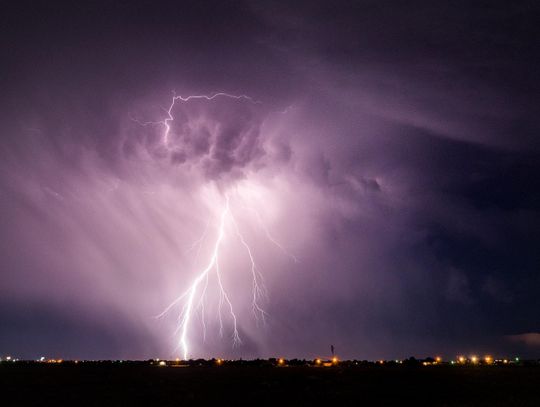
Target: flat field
point(148, 385)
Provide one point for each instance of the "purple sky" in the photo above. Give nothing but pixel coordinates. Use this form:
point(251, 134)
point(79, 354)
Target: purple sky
point(394, 152)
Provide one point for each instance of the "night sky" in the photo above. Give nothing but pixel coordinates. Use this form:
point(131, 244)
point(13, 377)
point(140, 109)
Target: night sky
point(390, 146)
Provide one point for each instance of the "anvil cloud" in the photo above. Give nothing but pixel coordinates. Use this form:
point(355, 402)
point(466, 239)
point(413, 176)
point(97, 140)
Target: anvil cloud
point(394, 152)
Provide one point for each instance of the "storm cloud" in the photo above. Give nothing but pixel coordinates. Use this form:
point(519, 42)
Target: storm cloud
point(392, 148)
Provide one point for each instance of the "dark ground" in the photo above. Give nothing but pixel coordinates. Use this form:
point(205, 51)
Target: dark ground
point(124, 385)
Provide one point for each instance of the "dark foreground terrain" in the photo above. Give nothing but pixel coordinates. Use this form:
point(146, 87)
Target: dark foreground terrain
point(138, 385)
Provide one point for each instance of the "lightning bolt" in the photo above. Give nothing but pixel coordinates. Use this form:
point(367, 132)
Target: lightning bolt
point(166, 122)
point(191, 293)
point(259, 291)
point(193, 299)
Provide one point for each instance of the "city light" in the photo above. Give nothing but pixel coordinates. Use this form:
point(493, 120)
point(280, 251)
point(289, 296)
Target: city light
point(462, 360)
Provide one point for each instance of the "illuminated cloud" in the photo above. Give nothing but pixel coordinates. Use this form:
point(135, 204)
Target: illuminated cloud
point(531, 339)
point(393, 153)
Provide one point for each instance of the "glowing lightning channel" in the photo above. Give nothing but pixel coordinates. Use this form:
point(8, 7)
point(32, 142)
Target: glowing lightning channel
point(259, 291)
point(195, 291)
point(190, 294)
